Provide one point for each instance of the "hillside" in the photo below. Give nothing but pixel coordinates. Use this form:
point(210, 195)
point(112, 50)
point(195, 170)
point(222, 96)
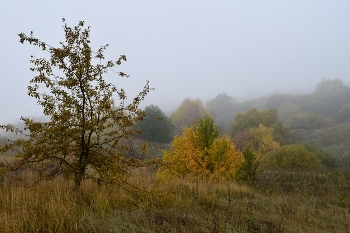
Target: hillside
point(335, 139)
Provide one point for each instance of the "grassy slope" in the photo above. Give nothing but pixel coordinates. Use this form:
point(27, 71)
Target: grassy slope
point(334, 139)
point(280, 202)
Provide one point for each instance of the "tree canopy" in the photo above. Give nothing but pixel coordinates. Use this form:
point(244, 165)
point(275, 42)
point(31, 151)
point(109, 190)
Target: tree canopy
point(156, 126)
point(253, 118)
point(222, 104)
point(82, 138)
point(261, 141)
point(200, 152)
point(223, 109)
point(187, 113)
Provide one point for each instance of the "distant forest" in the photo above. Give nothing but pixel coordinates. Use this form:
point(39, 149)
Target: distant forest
point(327, 106)
point(320, 118)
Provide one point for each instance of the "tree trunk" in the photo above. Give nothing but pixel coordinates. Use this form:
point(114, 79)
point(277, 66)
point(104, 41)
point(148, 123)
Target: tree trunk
point(78, 177)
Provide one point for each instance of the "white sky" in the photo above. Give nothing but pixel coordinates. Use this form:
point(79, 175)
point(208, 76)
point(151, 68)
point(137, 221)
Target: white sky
point(185, 48)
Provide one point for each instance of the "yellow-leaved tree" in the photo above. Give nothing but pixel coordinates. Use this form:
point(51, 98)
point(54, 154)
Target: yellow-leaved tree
point(261, 141)
point(187, 113)
point(259, 144)
point(198, 151)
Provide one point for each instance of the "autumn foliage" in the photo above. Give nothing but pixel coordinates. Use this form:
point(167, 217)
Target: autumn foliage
point(199, 152)
point(268, 118)
point(187, 113)
point(292, 158)
point(299, 157)
point(82, 138)
point(261, 141)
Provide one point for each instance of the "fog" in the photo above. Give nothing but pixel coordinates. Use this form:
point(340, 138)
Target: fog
point(185, 48)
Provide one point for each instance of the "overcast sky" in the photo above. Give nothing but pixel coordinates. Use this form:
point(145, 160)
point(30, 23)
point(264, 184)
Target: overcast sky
point(185, 48)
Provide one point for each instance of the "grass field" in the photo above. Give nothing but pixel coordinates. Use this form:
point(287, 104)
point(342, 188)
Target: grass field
point(279, 202)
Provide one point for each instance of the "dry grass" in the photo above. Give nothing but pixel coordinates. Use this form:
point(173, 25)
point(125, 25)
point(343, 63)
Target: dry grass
point(280, 202)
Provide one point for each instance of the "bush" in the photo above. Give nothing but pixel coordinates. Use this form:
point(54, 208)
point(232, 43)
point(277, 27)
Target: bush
point(327, 158)
point(292, 158)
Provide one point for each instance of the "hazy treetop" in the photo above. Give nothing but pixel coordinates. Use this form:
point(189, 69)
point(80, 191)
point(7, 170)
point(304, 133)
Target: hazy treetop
point(186, 48)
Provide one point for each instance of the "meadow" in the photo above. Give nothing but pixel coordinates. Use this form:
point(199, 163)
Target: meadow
point(278, 202)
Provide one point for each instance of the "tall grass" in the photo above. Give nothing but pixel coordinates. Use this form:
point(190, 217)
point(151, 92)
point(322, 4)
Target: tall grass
point(280, 202)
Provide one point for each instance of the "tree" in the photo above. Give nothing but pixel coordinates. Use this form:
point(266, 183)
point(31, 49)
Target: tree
point(82, 137)
point(241, 139)
point(199, 152)
point(332, 92)
point(256, 144)
point(261, 141)
point(321, 107)
point(207, 132)
point(306, 120)
point(222, 104)
point(276, 100)
point(245, 121)
point(286, 111)
point(328, 86)
point(248, 169)
point(253, 118)
point(156, 126)
point(223, 108)
point(185, 158)
point(187, 113)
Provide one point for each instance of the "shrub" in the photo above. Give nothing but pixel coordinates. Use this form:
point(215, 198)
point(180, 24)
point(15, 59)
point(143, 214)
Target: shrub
point(292, 158)
point(327, 158)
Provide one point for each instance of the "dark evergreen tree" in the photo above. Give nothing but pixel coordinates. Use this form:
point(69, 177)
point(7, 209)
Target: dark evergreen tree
point(156, 126)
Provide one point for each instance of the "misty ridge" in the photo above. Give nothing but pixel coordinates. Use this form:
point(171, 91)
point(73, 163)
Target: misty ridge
point(323, 100)
point(326, 106)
